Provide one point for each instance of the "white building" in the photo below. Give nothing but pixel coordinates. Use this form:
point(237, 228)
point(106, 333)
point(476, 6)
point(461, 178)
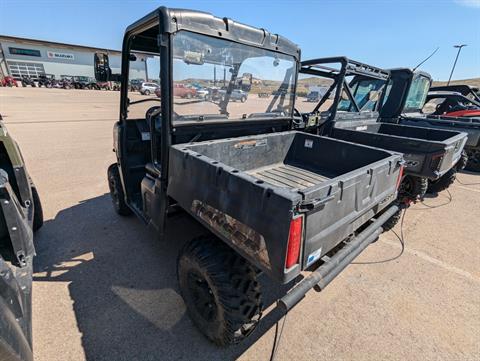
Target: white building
point(21, 56)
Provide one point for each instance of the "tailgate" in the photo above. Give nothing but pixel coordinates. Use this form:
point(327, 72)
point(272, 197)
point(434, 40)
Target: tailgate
point(453, 152)
point(342, 205)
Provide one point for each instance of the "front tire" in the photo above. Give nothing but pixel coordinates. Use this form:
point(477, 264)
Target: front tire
point(116, 191)
point(146, 92)
point(220, 290)
point(443, 182)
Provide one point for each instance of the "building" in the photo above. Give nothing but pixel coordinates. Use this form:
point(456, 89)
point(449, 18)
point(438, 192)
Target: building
point(31, 57)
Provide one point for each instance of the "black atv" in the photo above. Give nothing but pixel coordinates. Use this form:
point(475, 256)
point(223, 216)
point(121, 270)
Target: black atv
point(46, 80)
point(26, 80)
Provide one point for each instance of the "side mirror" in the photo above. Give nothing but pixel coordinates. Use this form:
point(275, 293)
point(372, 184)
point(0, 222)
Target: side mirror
point(102, 67)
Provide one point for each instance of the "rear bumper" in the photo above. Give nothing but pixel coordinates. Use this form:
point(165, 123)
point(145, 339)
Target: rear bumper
point(324, 274)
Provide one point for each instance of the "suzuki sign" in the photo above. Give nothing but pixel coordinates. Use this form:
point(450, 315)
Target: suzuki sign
point(55, 55)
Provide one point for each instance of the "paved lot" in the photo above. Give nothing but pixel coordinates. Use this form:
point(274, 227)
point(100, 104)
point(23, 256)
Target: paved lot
point(105, 287)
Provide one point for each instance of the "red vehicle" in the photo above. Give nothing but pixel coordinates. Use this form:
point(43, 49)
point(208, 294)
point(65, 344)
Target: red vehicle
point(181, 91)
point(9, 81)
point(454, 101)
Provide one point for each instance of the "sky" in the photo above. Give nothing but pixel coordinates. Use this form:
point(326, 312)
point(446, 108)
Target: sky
point(386, 33)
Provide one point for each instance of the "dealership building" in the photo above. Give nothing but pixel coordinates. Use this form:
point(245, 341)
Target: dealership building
point(31, 57)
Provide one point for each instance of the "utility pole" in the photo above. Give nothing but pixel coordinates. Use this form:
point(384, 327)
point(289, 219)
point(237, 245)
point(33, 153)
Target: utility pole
point(459, 47)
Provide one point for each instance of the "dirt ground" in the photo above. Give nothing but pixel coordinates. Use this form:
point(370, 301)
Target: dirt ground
point(105, 288)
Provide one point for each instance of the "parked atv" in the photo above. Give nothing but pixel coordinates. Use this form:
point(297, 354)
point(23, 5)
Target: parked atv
point(46, 80)
point(271, 199)
point(8, 81)
point(453, 101)
point(26, 80)
point(20, 216)
point(81, 82)
point(398, 108)
point(353, 116)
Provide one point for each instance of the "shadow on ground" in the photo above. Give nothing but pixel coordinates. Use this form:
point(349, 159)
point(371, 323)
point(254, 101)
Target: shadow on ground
point(124, 287)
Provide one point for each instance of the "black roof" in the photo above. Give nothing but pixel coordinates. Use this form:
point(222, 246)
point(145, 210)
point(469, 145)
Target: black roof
point(460, 88)
point(352, 67)
point(173, 20)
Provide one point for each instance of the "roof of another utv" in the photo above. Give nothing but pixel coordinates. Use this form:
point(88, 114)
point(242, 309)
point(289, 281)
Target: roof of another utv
point(173, 20)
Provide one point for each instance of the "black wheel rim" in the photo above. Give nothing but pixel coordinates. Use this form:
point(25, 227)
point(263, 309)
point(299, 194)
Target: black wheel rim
point(406, 186)
point(202, 296)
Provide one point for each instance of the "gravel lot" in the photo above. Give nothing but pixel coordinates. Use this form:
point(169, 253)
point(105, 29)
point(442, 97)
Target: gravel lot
point(105, 288)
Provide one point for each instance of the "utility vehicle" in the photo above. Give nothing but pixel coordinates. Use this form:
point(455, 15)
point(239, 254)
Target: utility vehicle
point(20, 215)
point(46, 80)
point(453, 101)
point(8, 81)
point(271, 199)
point(353, 116)
point(404, 103)
point(26, 80)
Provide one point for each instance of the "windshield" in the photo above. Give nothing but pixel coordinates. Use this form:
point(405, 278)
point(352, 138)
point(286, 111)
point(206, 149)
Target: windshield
point(219, 79)
point(418, 93)
point(366, 93)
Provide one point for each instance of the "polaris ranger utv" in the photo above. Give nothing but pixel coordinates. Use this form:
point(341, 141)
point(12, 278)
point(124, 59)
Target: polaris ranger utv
point(20, 215)
point(353, 116)
point(273, 200)
point(405, 84)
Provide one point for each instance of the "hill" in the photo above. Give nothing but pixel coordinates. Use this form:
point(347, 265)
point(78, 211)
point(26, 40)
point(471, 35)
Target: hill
point(473, 82)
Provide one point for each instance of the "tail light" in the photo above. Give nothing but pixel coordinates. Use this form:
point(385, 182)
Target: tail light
point(400, 176)
point(436, 160)
point(294, 242)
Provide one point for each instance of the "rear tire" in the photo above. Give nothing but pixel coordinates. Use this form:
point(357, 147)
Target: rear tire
point(473, 163)
point(443, 182)
point(243, 99)
point(462, 162)
point(392, 221)
point(116, 191)
point(412, 188)
point(37, 210)
point(220, 290)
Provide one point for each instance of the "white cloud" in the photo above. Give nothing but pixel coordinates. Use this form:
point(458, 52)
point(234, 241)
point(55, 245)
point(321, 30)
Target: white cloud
point(469, 3)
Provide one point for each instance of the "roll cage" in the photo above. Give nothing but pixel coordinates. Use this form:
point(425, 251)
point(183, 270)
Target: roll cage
point(153, 35)
point(346, 67)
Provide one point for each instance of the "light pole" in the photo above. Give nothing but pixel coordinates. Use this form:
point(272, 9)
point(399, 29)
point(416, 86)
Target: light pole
point(459, 47)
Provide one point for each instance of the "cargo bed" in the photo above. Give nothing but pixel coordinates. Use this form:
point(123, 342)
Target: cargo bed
point(247, 191)
point(467, 125)
point(428, 152)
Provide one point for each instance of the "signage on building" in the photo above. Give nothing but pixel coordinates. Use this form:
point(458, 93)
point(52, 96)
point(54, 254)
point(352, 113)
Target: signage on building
point(26, 52)
point(56, 55)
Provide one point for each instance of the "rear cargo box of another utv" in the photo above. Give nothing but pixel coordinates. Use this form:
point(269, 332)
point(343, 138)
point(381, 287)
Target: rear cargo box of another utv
point(428, 152)
point(248, 190)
